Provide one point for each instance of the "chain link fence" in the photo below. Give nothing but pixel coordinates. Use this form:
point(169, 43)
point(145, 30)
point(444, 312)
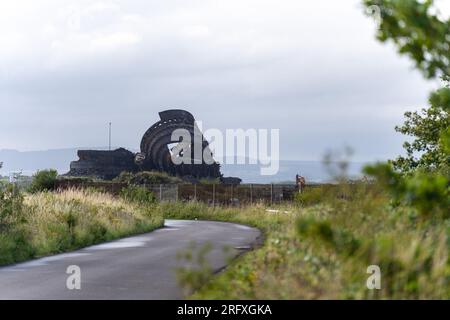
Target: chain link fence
point(221, 194)
point(212, 194)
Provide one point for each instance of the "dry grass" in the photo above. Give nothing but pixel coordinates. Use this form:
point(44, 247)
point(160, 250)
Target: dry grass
point(58, 222)
point(322, 251)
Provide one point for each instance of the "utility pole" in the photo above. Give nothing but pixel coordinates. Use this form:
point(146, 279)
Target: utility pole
point(110, 136)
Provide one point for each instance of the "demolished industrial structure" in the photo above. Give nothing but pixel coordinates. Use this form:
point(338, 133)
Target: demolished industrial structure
point(156, 153)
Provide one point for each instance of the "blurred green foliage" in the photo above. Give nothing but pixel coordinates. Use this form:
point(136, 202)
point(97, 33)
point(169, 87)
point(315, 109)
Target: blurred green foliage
point(196, 269)
point(418, 31)
point(422, 177)
point(427, 192)
point(430, 128)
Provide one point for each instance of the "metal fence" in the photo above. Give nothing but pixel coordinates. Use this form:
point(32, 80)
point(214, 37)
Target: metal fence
point(231, 194)
point(213, 194)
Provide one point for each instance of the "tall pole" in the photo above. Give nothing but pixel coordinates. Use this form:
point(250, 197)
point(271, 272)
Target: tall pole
point(109, 136)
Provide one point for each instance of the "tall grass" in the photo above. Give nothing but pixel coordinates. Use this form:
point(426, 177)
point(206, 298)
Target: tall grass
point(318, 247)
point(57, 222)
point(321, 247)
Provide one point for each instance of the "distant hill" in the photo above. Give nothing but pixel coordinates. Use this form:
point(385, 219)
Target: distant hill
point(59, 159)
point(30, 161)
point(313, 171)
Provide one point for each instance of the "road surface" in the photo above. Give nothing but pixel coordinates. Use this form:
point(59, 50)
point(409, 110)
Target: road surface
point(139, 267)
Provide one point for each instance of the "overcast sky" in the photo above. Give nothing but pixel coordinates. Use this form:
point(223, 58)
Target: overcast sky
point(313, 69)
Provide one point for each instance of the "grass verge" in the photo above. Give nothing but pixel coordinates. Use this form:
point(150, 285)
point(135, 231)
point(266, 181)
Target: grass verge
point(323, 250)
point(319, 247)
point(50, 223)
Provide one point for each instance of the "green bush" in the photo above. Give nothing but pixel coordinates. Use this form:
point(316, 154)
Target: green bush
point(339, 240)
point(147, 177)
point(209, 181)
point(15, 246)
point(310, 196)
point(138, 194)
point(11, 206)
point(44, 180)
point(427, 192)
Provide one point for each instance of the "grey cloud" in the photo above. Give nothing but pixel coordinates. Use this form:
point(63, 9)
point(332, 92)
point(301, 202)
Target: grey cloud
point(126, 63)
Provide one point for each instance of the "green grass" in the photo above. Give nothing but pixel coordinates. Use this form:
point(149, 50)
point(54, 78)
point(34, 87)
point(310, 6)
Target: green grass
point(322, 250)
point(50, 223)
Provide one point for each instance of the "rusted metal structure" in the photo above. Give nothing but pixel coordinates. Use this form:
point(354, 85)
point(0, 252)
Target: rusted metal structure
point(157, 147)
point(156, 152)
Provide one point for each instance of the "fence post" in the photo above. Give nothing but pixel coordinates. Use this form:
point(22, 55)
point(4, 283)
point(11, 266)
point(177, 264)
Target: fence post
point(214, 194)
point(271, 194)
point(251, 193)
point(176, 197)
point(195, 192)
point(160, 192)
point(231, 199)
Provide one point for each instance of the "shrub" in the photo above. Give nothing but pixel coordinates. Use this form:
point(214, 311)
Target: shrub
point(310, 196)
point(147, 177)
point(337, 239)
point(209, 181)
point(44, 180)
point(138, 194)
point(77, 179)
point(11, 206)
point(427, 192)
point(15, 246)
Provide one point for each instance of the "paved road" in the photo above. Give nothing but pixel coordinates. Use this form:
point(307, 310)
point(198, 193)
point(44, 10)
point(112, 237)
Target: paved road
point(140, 267)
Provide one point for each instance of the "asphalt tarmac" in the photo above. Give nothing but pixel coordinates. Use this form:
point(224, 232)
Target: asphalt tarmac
point(139, 267)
